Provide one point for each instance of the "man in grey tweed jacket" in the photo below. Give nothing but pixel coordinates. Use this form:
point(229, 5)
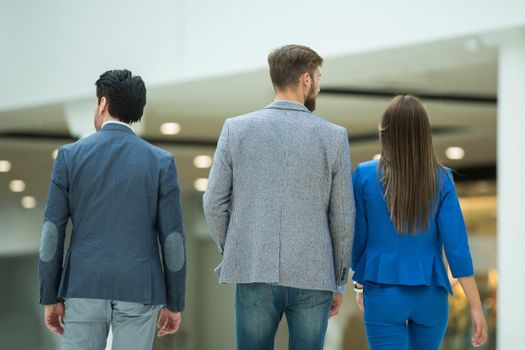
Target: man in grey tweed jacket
point(279, 205)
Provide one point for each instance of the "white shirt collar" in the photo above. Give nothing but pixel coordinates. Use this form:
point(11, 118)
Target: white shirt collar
point(117, 122)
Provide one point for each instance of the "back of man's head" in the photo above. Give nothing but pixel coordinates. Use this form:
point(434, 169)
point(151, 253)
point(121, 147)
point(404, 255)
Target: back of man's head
point(125, 94)
point(288, 63)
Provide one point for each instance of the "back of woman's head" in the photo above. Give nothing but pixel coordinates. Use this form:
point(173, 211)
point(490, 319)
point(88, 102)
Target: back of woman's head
point(409, 164)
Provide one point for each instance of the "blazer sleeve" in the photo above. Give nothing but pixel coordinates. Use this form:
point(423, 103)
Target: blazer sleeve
point(217, 197)
point(452, 230)
point(171, 237)
point(361, 221)
point(341, 213)
point(52, 238)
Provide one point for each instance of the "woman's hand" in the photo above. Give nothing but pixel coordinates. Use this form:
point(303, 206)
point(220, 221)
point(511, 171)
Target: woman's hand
point(359, 300)
point(479, 327)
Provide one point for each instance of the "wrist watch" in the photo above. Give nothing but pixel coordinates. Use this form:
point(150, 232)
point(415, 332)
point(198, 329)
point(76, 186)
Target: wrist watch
point(357, 288)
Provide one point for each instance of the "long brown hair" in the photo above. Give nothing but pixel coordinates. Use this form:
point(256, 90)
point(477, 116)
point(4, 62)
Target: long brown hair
point(409, 164)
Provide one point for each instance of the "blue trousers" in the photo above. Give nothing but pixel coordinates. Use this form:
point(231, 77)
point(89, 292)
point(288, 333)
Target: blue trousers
point(259, 308)
point(405, 317)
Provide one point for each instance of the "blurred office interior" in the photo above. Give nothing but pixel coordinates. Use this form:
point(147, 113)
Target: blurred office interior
point(205, 61)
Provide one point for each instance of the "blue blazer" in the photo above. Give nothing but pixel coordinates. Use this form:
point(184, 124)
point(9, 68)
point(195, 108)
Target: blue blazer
point(123, 199)
point(381, 255)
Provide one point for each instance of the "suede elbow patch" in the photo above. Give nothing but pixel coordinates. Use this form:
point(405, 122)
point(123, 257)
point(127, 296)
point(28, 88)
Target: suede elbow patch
point(48, 242)
point(174, 252)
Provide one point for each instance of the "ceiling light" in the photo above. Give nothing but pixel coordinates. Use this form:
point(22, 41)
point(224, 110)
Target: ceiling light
point(170, 128)
point(17, 186)
point(201, 184)
point(376, 156)
point(54, 154)
point(28, 202)
point(5, 166)
point(202, 162)
point(455, 153)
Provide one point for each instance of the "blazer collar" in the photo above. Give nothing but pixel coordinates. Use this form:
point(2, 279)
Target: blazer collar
point(290, 105)
point(117, 127)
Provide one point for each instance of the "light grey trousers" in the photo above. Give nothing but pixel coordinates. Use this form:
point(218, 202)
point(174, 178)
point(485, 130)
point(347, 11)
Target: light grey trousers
point(87, 323)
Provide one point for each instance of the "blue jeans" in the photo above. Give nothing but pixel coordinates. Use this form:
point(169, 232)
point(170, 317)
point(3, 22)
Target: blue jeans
point(259, 308)
point(405, 317)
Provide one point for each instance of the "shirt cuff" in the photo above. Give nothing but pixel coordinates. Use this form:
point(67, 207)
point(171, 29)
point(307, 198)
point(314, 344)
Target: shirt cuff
point(341, 289)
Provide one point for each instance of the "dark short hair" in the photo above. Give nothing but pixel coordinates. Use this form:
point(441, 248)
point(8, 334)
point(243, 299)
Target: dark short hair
point(288, 63)
point(125, 94)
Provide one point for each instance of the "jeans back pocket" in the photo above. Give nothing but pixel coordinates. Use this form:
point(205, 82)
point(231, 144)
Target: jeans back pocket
point(254, 293)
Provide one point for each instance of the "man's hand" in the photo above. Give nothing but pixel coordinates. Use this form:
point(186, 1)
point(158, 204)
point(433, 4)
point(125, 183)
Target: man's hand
point(169, 322)
point(337, 301)
point(54, 317)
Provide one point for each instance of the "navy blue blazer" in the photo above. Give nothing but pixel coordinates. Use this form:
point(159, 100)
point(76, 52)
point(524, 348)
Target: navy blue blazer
point(381, 255)
point(123, 199)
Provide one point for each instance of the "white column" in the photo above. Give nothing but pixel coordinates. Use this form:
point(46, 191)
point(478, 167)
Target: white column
point(511, 196)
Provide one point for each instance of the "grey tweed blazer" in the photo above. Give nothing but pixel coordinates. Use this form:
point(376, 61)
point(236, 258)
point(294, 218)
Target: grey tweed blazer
point(279, 202)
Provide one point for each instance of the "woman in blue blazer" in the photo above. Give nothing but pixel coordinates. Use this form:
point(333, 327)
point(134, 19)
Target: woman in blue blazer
point(407, 211)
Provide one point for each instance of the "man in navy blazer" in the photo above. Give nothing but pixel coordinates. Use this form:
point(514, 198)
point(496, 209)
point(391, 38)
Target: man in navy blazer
point(123, 199)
